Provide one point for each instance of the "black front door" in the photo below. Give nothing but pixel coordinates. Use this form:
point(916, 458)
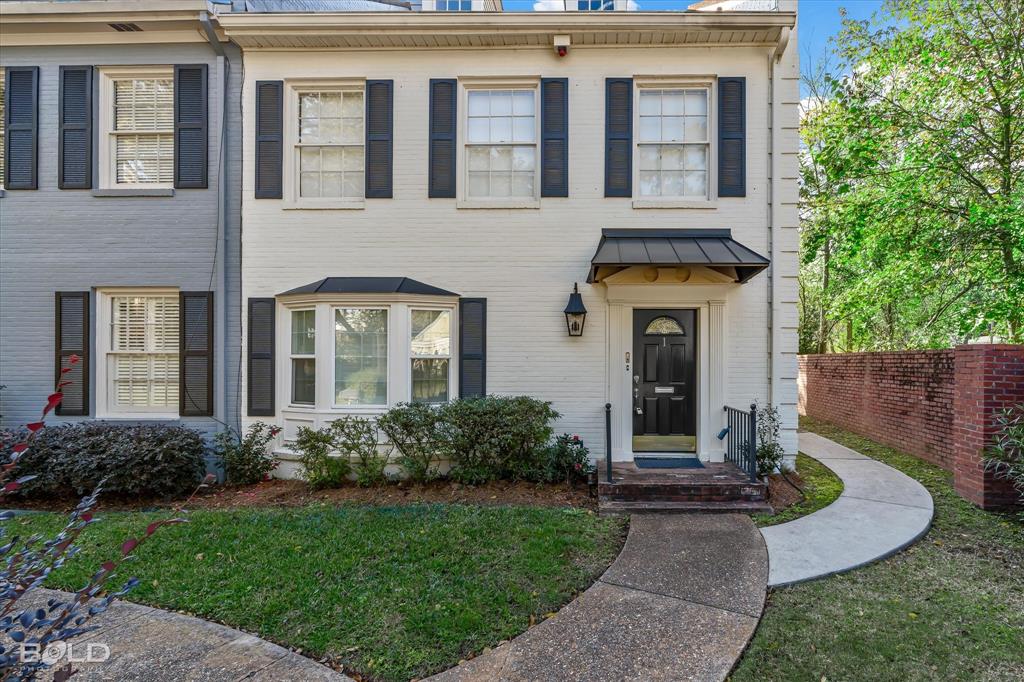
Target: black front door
point(664, 380)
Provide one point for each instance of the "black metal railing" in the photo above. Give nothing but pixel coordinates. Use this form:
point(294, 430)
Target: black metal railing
point(608, 440)
point(741, 446)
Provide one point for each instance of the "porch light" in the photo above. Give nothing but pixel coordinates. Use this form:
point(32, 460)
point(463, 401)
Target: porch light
point(575, 312)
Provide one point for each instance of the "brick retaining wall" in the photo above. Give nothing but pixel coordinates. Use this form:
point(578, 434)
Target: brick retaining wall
point(936, 404)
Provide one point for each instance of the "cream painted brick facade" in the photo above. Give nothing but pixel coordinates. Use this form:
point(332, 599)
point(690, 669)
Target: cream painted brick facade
point(524, 261)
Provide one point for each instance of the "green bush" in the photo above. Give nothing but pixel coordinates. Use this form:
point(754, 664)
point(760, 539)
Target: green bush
point(412, 428)
point(566, 459)
point(770, 454)
point(1005, 455)
point(494, 437)
point(359, 437)
point(148, 460)
point(247, 459)
point(321, 469)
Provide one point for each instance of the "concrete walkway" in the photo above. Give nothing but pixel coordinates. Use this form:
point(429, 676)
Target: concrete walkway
point(151, 645)
point(880, 512)
point(680, 603)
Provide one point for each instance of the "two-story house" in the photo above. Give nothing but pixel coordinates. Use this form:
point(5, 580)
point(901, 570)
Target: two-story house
point(425, 189)
point(119, 213)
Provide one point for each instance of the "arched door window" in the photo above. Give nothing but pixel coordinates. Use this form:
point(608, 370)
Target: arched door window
point(664, 326)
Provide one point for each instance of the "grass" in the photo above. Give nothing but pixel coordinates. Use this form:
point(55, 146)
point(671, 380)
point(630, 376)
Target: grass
point(950, 607)
point(392, 593)
point(821, 488)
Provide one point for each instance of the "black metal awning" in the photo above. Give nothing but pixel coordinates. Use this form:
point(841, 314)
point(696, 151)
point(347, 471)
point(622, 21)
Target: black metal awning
point(369, 285)
point(715, 249)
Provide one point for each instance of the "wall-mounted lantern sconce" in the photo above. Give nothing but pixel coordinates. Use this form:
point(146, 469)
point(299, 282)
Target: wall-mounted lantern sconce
point(575, 312)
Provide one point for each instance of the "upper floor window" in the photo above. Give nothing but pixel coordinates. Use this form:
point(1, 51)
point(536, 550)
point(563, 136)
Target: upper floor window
point(673, 146)
point(501, 143)
point(595, 5)
point(143, 130)
point(453, 5)
point(330, 144)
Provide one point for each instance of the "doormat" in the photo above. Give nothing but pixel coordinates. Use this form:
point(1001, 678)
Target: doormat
point(668, 463)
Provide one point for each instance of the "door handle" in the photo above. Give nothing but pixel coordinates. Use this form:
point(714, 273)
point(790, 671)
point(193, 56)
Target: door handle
point(636, 399)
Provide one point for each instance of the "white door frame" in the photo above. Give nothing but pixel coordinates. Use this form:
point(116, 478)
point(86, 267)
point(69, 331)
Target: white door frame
point(709, 302)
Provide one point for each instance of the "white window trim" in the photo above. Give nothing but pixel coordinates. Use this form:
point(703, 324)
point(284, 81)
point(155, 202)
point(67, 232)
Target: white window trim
point(672, 83)
point(451, 348)
point(290, 166)
point(301, 356)
point(104, 345)
point(334, 365)
point(462, 177)
point(107, 138)
point(399, 380)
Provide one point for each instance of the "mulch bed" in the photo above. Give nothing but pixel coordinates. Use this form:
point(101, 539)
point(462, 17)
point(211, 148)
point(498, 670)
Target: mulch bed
point(292, 493)
point(781, 494)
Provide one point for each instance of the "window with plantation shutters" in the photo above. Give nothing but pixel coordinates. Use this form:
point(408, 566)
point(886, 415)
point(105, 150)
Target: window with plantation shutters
point(137, 148)
point(143, 354)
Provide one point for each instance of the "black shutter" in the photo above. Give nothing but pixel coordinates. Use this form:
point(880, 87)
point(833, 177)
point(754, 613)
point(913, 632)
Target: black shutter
point(269, 138)
point(554, 133)
point(472, 347)
point(190, 127)
point(732, 137)
point(74, 144)
point(442, 161)
point(379, 110)
point(21, 125)
point(71, 337)
point(195, 349)
point(261, 357)
point(618, 137)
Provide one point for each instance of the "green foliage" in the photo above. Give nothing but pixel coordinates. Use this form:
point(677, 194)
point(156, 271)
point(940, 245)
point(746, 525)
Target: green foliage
point(136, 461)
point(565, 459)
point(412, 428)
point(247, 459)
point(1006, 454)
point(769, 451)
point(321, 468)
point(495, 437)
point(820, 486)
point(359, 437)
point(912, 181)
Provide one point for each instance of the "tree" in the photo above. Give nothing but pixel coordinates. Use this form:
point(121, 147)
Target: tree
point(913, 180)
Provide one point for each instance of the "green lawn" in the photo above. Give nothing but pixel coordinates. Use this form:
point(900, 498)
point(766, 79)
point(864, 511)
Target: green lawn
point(394, 593)
point(951, 607)
point(821, 488)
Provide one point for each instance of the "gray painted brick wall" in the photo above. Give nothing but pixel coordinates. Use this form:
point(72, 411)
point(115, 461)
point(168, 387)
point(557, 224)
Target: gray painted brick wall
point(68, 240)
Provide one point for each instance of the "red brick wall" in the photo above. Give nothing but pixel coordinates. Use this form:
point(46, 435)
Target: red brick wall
point(940, 405)
point(902, 399)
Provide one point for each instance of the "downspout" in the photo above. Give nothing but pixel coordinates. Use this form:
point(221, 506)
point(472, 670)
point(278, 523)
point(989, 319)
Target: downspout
point(773, 201)
point(223, 200)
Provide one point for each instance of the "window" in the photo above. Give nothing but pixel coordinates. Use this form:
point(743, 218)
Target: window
point(142, 130)
point(501, 136)
point(664, 326)
point(329, 147)
point(453, 5)
point(430, 347)
point(142, 357)
point(595, 5)
point(303, 355)
point(673, 144)
point(360, 356)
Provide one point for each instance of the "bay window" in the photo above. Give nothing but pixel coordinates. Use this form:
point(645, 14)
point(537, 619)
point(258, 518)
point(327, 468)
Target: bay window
point(303, 357)
point(431, 348)
point(360, 356)
point(673, 145)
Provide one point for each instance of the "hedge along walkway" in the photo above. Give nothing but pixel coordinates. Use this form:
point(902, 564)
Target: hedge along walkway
point(880, 511)
point(152, 645)
point(680, 603)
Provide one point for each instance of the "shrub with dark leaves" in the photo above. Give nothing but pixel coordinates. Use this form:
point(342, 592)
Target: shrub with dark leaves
point(566, 459)
point(321, 467)
point(1005, 455)
point(247, 459)
point(413, 430)
point(359, 439)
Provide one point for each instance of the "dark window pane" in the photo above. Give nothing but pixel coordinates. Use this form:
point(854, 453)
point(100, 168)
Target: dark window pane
point(304, 381)
point(429, 380)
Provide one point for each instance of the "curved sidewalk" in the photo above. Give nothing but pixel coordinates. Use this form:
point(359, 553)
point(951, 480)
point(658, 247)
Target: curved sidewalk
point(680, 603)
point(880, 512)
point(151, 645)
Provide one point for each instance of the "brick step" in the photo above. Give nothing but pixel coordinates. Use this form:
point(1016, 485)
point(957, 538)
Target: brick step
point(656, 507)
point(682, 498)
point(682, 492)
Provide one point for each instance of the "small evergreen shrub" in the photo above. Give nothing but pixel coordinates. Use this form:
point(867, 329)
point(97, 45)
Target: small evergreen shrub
point(359, 438)
point(148, 460)
point(566, 459)
point(769, 452)
point(321, 469)
point(413, 430)
point(1005, 455)
point(247, 459)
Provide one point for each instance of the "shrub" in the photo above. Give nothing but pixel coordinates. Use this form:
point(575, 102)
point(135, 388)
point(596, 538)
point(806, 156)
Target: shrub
point(566, 459)
point(1006, 454)
point(359, 437)
point(133, 460)
point(247, 459)
point(769, 452)
point(321, 469)
point(412, 429)
point(494, 437)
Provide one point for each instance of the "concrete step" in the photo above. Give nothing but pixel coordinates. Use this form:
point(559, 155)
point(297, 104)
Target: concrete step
point(661, 507)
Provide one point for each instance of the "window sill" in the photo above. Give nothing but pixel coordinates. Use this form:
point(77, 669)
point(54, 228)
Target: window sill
point(474, 204)
point(675, 203)
point(352, 205)
point(139, 417)
point(134, 192)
